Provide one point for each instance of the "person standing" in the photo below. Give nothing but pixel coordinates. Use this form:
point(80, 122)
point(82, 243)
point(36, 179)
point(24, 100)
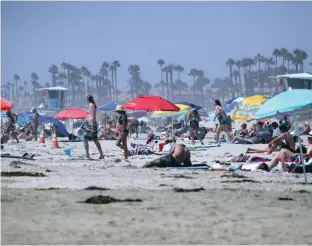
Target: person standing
point(92, 128)
point(36, 123)
point(194, 119)
point(222, 120)
point(122, 130)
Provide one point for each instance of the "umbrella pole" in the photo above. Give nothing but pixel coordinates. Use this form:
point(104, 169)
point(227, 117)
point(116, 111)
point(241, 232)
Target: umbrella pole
point(172, 127)
point(300, 147)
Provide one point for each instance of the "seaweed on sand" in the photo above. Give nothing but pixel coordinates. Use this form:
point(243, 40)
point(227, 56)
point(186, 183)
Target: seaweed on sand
point(108, 199)
point(20, 174)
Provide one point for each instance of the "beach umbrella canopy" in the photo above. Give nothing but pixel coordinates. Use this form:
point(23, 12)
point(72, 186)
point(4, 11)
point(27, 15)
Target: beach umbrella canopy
point(5, 104)
point(150, 103)
point(197, 107)
point(108, 106)
point(246, 109)
point(71, 113)
point(183, 109)
point(285, 102)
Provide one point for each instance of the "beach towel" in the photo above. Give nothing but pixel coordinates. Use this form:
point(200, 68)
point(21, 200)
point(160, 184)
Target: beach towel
point(94, 135)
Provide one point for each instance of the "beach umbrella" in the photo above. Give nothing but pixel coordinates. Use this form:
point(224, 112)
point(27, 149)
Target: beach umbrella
point(183, 109)
point(197, 107)
point(5, 104)
point(293, 101)
point(150, 103)
point(108, 106)
point(71, 113)
point(246, 109)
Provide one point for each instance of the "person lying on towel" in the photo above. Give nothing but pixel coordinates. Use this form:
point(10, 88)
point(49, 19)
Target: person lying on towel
point(178, 156)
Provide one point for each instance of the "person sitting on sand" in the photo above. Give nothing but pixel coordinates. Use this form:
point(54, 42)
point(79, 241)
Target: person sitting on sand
point(255, 138)
point(243, 132)
point(92, 128)
point(284, 154)
point(178, 156)
point(26, 132)
point(306, 129)
point(278, 141)
point(8, 129)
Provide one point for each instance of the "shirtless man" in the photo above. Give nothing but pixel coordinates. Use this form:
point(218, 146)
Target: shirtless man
point(284, 154)
point(178, 155)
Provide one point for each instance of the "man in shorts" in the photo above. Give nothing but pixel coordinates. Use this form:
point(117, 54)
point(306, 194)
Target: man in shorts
point(178, 155)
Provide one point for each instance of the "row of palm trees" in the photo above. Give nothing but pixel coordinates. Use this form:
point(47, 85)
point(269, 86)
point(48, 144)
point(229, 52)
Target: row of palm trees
point(243, 79)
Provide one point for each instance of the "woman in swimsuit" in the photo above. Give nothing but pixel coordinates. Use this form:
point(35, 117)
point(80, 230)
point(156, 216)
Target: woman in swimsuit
point(222, 120)
point(92, 128)
point(122, 130)
point(194, 119)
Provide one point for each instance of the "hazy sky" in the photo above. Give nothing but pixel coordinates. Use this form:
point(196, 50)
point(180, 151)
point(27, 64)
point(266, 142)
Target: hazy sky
point(203, 35)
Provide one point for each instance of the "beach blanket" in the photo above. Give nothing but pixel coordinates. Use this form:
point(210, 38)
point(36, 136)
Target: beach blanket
point(139, 149)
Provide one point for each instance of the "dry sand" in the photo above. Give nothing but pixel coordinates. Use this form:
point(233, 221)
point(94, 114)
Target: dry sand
point(263, 208)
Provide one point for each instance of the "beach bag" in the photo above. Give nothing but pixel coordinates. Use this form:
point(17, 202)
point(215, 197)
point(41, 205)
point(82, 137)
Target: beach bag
point(194, 124)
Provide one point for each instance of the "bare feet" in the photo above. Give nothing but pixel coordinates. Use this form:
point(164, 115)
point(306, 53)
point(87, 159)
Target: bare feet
point(101, 157)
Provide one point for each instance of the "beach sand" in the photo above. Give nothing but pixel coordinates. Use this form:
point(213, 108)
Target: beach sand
point(256, 208)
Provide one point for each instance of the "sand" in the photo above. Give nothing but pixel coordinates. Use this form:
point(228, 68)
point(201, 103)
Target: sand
point(260, 208)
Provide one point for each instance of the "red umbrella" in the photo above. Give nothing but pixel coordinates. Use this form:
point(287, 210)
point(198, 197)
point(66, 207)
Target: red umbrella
point(151, 103)
point(6, 105)
point(71, 113)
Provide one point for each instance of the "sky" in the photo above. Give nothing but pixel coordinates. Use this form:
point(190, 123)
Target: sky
point(200, 35)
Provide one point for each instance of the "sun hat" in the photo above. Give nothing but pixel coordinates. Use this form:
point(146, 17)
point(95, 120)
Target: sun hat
point(310, 134)
point(119, 108)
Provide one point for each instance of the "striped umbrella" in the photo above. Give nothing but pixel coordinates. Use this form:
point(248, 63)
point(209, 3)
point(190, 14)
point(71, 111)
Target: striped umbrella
point(246, 109)
point(6, 105)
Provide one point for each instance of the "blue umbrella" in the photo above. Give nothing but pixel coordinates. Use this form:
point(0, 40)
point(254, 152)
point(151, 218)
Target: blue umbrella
point(285, 102)
point(27, 117)
point(189, 104)
point(293, 100)
point(109, 106)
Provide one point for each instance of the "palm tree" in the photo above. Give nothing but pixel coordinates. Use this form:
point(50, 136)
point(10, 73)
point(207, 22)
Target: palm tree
point(239, 65)
point(53, 69)
point(229, 63)
point(16, 78)
point(268, 63)
point(64, 65)
point(179, 69)
point(238, 88)
point(284, 52)
point(146, 87)
point(289, 58)
point(166, 69)
point(276, 53)
point(201, 81)
point(112, 69)
point(180, 85)
point(161, 62)
point(259, 59)
point(170, 69)
point(25, 87)
point(116, 65)
point(135, 80)
point(62, 77)
point(193, 73)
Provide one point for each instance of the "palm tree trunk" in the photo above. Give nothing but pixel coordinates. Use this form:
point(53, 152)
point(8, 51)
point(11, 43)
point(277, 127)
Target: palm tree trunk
point(167, 81)
point(116, 90)
point(194, 86)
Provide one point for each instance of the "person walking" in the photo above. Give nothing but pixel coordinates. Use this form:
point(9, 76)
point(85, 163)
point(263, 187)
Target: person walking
point(92, 128)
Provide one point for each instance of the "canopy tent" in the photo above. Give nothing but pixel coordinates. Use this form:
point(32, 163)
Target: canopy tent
point(6, 104)
point(292, 101)
point(150, 103)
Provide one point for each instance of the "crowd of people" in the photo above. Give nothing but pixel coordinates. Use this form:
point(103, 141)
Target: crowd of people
point(276, 135)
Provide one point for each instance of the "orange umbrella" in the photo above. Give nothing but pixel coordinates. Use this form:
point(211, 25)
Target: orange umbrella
point(6, 105)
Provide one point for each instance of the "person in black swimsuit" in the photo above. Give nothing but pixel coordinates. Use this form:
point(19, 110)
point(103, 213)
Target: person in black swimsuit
point(122, 130)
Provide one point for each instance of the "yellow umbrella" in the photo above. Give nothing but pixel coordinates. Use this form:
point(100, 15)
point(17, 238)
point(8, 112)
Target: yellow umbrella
point(246, 109)
point(183, 109)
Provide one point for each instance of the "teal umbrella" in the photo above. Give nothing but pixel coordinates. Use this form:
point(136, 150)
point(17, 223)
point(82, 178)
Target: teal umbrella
point(293, 101)
point(285, 102)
